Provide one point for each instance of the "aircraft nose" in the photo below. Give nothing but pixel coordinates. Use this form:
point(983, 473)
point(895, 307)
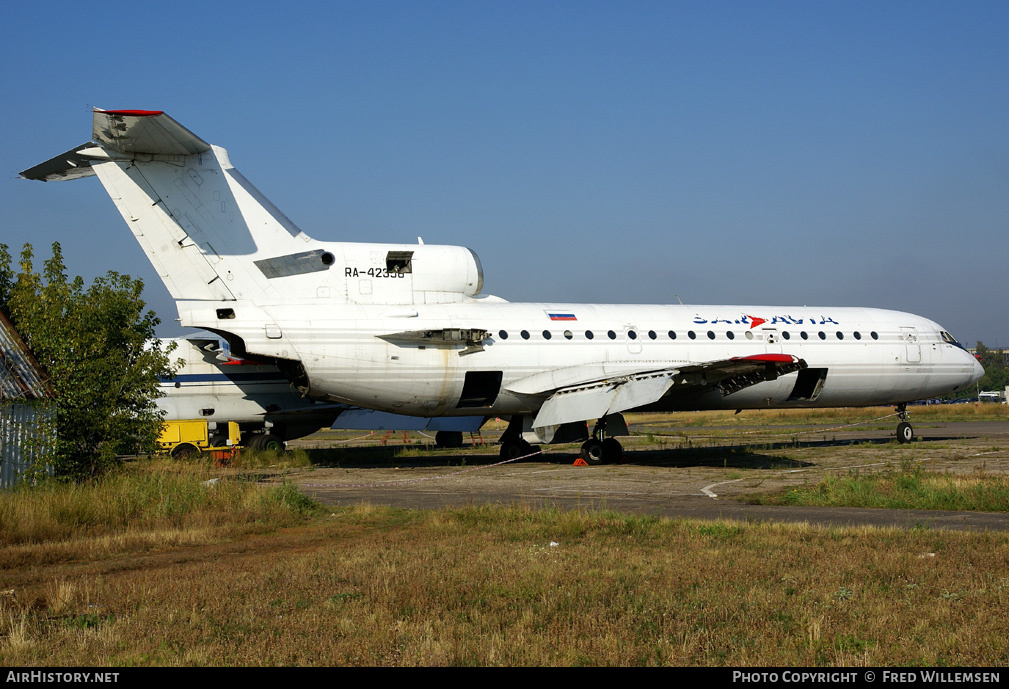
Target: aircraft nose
point(978, 370)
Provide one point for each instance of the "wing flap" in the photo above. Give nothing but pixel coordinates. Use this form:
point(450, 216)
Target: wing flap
point(555, 379)
point(595, 401)
point(612, 394)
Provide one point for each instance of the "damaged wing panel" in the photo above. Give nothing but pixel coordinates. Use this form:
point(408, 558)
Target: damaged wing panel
point(615, 394)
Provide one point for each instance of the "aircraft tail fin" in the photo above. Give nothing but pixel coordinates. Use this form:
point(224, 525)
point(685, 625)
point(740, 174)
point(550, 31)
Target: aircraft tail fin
point(201, 223)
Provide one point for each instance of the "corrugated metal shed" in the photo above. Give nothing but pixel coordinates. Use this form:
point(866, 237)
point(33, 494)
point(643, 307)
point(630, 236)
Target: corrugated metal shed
point(27, 413)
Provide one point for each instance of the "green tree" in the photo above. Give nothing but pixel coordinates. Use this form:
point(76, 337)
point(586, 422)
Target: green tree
point(996, 373)
point(95, 345)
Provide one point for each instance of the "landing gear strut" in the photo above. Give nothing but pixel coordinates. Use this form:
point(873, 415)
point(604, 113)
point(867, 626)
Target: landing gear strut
point(905, 434)
point(596, 451)
point(513, 445)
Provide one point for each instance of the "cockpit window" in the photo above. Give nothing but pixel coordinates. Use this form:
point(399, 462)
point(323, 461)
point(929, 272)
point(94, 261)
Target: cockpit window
point(949, 339)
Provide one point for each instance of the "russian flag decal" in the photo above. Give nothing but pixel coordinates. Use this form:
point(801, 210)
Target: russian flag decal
point(566, 316)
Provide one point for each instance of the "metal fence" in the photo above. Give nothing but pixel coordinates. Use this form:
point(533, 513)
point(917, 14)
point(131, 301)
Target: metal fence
point(26, 435)
point(27, 411)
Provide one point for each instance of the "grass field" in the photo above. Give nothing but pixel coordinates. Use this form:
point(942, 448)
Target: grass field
point(157, 565)
point(260, 578)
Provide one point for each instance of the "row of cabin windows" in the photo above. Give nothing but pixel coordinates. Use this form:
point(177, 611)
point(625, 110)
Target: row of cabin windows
point(652, 335)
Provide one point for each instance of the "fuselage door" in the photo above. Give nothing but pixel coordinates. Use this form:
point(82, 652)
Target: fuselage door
point(911, 345)
point(633, 339)
point(772, 340)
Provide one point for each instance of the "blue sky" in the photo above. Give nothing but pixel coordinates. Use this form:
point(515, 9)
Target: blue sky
point(785, 153)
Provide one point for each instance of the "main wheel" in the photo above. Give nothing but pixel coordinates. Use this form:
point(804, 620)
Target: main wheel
point(612, 450)
point(905, 433)
point(450, 439)
point(271, 442)
point(592, 452)
point(513, 449)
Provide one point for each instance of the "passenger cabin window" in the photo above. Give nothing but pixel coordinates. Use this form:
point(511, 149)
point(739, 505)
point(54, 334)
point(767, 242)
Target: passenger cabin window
point(503, 334)
point(546, 335)
point(524, 334)
point(589, 335)
point(610, 334)
point(672, 335)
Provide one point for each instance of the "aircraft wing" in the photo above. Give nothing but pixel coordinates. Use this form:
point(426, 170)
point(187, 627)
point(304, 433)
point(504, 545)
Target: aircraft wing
point(580, 396)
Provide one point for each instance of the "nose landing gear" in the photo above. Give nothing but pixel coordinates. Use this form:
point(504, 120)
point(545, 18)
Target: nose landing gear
point(905, 433)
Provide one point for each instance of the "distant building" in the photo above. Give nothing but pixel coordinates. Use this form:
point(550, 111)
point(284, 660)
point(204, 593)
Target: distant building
point(27, 409)
point(1004, 351)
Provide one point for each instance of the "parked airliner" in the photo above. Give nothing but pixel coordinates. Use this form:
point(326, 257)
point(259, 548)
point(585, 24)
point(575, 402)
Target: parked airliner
point(404, 329)
point(215, 386)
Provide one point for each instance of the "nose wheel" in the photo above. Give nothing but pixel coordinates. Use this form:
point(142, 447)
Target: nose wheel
point(905, 433)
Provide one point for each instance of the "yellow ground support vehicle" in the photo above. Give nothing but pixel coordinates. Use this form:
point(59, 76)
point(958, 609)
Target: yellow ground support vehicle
point(184, 439)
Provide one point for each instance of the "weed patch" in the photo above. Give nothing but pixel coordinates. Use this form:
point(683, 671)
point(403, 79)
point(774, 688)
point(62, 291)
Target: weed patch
point(904, 488)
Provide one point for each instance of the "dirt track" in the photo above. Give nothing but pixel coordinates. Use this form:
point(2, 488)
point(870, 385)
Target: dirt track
point(699, 476)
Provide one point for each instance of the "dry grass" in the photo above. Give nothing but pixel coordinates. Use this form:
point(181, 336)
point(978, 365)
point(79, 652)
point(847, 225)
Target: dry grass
point(160, 569)
point(487, 586)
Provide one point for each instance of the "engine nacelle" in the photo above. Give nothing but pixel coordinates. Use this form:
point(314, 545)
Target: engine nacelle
point(408, 273)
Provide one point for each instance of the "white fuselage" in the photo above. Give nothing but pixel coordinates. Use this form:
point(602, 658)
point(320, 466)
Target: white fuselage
point(870, 356)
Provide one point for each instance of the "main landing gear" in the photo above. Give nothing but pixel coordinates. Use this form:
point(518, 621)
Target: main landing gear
point(513, 448)
point(513, 445)
point(266, 441)
point(596, 451)
point(905, 434)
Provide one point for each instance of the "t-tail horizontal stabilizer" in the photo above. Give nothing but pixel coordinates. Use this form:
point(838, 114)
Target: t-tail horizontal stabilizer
point(202, 225)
